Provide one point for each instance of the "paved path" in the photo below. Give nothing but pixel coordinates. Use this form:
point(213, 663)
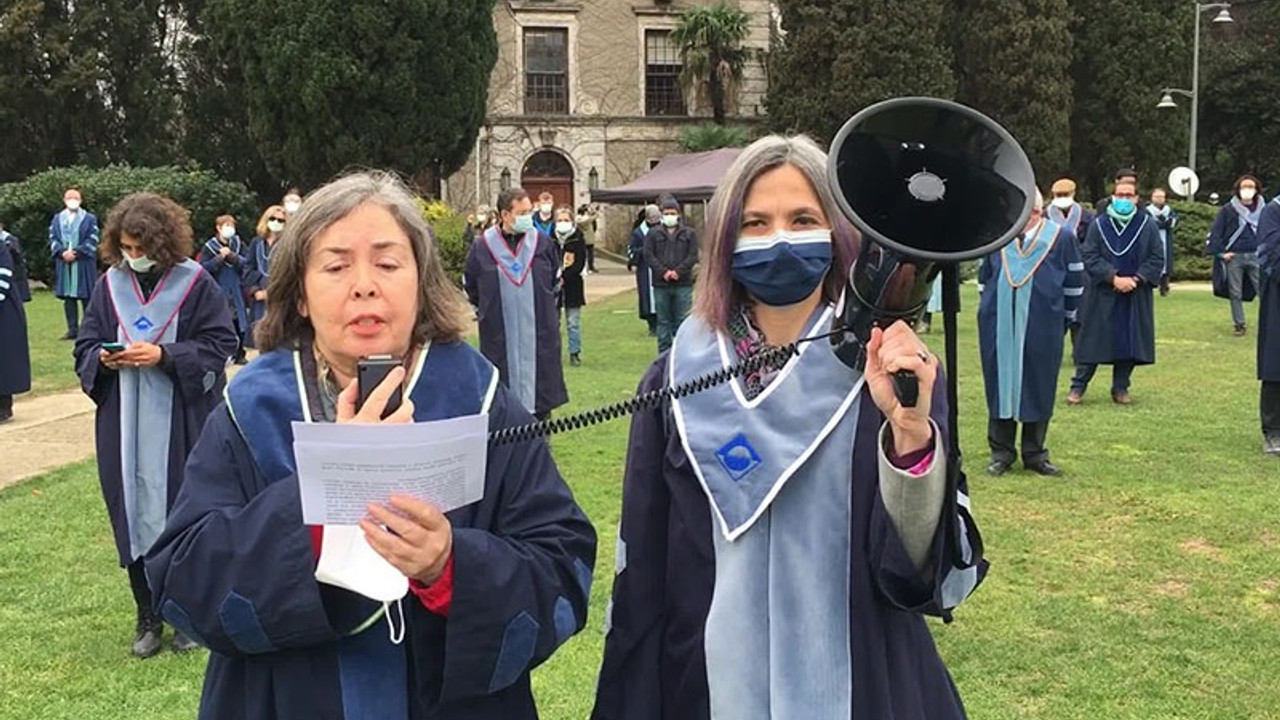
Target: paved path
point(50, 431)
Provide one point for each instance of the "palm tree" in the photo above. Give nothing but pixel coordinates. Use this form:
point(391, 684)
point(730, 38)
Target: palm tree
point(710, 41)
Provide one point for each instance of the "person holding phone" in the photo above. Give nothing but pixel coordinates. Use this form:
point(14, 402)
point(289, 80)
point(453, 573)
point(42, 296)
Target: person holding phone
point(783, 535)
point(494, 587)
point(151, 354)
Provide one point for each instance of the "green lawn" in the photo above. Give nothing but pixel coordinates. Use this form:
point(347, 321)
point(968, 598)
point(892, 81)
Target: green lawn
point(52, 366)
point(1143, 585)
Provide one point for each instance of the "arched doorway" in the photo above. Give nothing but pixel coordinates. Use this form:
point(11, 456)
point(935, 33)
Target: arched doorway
point(547, 171)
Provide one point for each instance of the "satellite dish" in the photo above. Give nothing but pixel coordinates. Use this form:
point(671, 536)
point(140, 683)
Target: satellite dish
point(1184, 181)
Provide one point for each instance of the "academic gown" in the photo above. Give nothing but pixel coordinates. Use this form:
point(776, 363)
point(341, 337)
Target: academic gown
point(230, 275)
point(235, 567)
point(1020, 329)
point(644, 275)
point(256, 276)
point(655, 659)
point(15, 355)
point(482, 283)
point(79, 233)
point(1116, 326)
point(1269, 297)
point(204, 341)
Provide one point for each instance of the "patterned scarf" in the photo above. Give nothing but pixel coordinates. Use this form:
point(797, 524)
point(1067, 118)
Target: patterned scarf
point(748, 342)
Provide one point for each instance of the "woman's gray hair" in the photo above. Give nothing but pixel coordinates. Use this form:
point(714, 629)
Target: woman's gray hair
point(716, 293)
point(442, 310)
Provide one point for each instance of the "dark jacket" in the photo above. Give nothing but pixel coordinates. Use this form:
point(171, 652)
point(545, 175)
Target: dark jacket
point(675, 249)
point(574, 295)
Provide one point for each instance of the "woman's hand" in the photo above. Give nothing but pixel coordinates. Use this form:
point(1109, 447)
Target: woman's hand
point(260, 295)
point(139, 354)
point(412, 535)
point(371, 412)
point(889, 351)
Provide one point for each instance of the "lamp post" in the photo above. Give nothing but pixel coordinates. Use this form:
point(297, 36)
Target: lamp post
point(1166, 95)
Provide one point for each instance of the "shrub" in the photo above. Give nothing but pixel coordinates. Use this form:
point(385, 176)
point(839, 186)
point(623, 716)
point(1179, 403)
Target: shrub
point(709, 136)
point(26, 207)
point(450, 229)
point(1194, 221)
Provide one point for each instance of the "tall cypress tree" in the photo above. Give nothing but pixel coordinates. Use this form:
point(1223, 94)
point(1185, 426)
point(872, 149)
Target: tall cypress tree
point(838, 56)
point(1012, 58)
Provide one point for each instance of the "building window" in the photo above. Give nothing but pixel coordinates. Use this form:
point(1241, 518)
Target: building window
point(546, 71)
point(662, 95)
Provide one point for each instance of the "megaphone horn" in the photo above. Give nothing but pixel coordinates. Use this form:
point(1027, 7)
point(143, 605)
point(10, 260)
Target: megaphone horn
point(926, 181)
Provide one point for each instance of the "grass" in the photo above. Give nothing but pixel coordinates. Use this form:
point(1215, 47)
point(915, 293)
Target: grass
point(52, 365)
point(1143, 585)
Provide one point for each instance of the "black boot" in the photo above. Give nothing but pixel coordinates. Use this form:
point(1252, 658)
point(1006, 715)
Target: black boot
point(147, 641)
point(182, 643)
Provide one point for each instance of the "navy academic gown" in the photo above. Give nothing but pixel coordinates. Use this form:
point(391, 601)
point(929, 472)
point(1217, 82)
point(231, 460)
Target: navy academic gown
point(15, 355)
point(235, 565)
point(256, 276)
point(1269, 296)
point(230, 275)
point(1115, 326)
point(644, 275)
point(1055, 290)
point(198, 371)
point(481, 282)
point(74, 279)
point(654, 659)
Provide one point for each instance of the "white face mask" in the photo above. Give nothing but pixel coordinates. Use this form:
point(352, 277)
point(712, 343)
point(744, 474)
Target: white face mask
point(72, 205)
point(291, 206)
point(545, 208)
point(480, 219)
point(564, 227)
point(671, 220)
point(1063, 203)
point(1247, 194)
point(347, 561)
point(275, 225)
point(141, 264)
point(227, 231)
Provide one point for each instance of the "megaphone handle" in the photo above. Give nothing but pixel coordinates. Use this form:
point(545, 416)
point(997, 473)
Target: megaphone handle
point(907, 387)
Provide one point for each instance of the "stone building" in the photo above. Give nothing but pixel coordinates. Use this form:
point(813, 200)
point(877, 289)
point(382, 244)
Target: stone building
point(585, 94)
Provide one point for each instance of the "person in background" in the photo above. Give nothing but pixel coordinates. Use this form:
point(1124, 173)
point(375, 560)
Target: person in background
point(153, 396)
point(73, 241)
point(545, 217)
point(671, 251)
point(1166, 223)
point(586, 222)
point(649, 218)
point(479, 221)
point(1123, 259)
point(573, 251)
point(490, 589)
point(223, 256)
point(1064, 211)
point(258, 267)
point(292, 201)
point(925, 326)
point(1028, 290)
point(1123, 175)
point(1269, 326)
point(512, 273)
point(1233, 241)
point(15, 354)
point(783, 536)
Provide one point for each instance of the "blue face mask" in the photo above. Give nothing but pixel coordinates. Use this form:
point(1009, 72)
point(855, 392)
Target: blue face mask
point(523, 224)
point(783, 268)
point(1124, 207)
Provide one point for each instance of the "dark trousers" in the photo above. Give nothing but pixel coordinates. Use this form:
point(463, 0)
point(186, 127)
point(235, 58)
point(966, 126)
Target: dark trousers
point(141, 590)
point(1002, 434)
point(1270, 407)
point(6, 406)
point(69, 309)
point(1121, 372)
point(591, 257)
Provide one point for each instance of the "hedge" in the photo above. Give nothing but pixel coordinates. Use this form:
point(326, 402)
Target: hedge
point(27, 207)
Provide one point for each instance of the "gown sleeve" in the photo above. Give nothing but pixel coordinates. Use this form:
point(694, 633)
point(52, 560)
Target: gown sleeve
point(1151, 267)
point(1073, 284)
point(88, 247)
point(630, 681)
point(263, 596)
point(471, 273)
point(97, 327)
point(521, 575)
point(200, 358)
point(1099, 270)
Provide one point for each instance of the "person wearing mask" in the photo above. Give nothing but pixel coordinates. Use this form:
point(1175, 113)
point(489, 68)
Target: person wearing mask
point(477, 223)
point(1233, 243)
point(73, 242)
point(490, 590)
point(1166, 219)
point(223, 257)
point(258, 264)
point(573, 253)
point(1269, 325)
point(671, 251)
point(586, 221)
point(512, 272)
point(1065, 212)
point(15, 354)
point(545, 217)
point(1029, 291)
point(1123, 175)
point(779, 548)
point(1123, 261)
point(153, 396)
point(292, 201)
point(650, 218)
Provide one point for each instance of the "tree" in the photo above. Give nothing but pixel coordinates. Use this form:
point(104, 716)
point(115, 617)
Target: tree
point(839, 56)
point(711, 54)
point(330, 85)
point(1010, 61)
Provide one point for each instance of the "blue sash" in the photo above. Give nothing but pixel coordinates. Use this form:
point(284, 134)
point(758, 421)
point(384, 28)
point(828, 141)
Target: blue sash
point(69, 238)
point(1013, 307)
point(519, 311)
point(1069, 220)
point(1247, 219)
point(146, 396)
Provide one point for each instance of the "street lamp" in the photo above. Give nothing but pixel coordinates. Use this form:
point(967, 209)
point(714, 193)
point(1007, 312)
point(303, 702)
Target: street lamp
point(1166, 95)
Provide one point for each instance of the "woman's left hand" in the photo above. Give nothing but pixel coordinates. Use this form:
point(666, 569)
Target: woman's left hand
point(140, 354)
point(889, 351)
point(412, 535)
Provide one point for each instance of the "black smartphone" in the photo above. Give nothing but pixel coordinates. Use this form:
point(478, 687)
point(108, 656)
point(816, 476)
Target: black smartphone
point(370, 372)
point(113, 347)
